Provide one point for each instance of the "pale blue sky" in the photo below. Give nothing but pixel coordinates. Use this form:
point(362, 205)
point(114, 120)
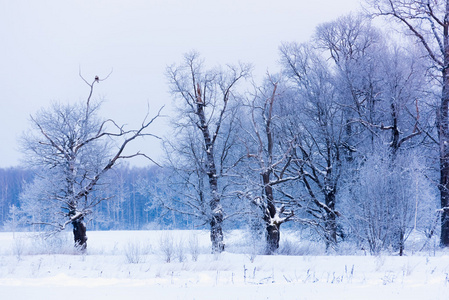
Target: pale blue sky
point(45, 42)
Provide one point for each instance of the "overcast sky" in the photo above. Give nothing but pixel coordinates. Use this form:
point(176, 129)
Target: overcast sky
point(45, 43)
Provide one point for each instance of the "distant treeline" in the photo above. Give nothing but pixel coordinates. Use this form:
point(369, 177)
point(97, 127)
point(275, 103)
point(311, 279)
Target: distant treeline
point(129, 205)
point(12, 181)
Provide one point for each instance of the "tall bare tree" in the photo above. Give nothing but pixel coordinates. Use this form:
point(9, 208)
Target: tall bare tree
point(71, 149)
point(271, 153)
point(428, 22)
point(316, 118)
point(203, 98)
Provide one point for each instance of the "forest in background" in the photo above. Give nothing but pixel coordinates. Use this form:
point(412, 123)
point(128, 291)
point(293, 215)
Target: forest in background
point(126, 208)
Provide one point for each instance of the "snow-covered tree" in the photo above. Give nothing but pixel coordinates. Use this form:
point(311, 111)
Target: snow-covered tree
point(382, 90)
point(14, 221)
point(386, 201)
point(428, 22)
point(314, 116)
point(71, 149)
point(203, 137)
point(269, 156)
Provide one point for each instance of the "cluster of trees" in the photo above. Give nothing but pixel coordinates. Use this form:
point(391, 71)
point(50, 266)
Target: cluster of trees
point(343, 140)
point(349, 140)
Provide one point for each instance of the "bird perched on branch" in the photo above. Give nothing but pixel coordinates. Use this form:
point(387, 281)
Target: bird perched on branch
point(97, 79)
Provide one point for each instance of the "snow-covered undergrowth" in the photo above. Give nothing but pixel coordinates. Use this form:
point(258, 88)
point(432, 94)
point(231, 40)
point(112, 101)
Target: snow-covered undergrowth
point(178, 265)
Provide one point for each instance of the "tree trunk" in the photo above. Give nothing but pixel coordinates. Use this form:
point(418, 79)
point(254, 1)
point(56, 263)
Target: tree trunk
point(216, 232)
point(79, 234)
point(397, 234)
point(330, 222)
point(331, 230)
point(444, 193)
point(444, 159)
point(272, 227)
point(273, 237)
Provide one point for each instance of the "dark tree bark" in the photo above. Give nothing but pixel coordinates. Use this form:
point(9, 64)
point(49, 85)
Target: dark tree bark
point(444, 133)
point(330, 221)
point(444, 149)
point(79, 234)
point(272, 226)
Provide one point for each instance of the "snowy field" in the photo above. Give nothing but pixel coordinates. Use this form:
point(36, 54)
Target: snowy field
point(125, 264)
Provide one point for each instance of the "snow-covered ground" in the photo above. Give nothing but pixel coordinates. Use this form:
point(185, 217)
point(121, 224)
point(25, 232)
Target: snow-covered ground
point(125, 264)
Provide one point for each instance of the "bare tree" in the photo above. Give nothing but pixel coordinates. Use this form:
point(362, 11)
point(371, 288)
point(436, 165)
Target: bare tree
point(71, 149)
point(387, 202)
point(316, 119)
point(204, 100)
point(428, 22)
point(354, 48)
point(271, 154)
